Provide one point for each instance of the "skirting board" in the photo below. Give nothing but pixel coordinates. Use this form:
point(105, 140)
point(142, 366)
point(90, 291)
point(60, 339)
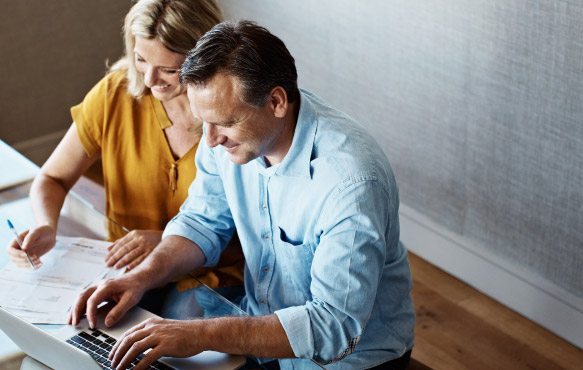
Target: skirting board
point(522, 291)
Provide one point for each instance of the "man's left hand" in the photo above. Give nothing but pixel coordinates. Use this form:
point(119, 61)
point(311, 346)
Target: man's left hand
point(174, 338)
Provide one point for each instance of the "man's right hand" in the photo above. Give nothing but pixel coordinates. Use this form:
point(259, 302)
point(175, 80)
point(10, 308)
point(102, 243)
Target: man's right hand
point(36, 241)
point(126, 291)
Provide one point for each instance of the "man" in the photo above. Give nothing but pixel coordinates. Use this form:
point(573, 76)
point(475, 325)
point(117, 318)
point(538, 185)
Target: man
point(315, 204)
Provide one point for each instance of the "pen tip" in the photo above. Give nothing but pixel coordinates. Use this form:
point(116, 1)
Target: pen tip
point(9, 223)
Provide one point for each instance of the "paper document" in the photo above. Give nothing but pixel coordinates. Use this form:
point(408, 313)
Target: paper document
point(14, 167)
point(45, 296)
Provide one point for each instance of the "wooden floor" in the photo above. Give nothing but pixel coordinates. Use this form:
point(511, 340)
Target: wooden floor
point(459, 328)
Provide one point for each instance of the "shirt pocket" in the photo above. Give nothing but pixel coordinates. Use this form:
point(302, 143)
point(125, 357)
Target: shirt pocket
point(294, 263)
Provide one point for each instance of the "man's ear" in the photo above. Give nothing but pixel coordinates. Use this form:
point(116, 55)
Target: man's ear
point(278, 101)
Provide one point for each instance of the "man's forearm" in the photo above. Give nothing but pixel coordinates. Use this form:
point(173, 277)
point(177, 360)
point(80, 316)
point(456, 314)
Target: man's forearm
point(172, 258)
point(261, 336)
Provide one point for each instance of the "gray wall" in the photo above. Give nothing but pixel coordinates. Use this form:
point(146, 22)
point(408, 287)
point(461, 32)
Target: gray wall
point(478, 104)
point(51, 54)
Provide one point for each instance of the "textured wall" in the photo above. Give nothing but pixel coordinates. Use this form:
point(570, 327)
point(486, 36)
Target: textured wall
point(479, 105)
point(51, 54)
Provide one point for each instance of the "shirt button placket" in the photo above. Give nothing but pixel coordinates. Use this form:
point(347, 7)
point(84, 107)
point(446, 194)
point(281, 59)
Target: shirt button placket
point(265, 276)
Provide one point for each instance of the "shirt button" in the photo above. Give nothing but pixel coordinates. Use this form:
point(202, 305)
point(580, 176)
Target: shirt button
point(266, 269)
point(265, 206)
point(262, 301)
point(266, 237)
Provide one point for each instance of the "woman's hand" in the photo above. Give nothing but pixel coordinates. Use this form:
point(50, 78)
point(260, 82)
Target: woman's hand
point(132, 249)
point(36, 241)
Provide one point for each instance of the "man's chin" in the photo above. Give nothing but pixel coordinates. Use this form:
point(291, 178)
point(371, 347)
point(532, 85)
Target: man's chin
point(239, 159)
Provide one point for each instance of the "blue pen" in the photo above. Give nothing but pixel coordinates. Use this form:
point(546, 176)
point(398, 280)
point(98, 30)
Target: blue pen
point(20, 243)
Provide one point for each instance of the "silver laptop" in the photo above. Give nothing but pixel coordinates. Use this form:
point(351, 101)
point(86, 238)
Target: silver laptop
point(78, 347)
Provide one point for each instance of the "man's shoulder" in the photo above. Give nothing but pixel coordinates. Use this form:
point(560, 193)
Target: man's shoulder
point(343, 144)
point(335, 123)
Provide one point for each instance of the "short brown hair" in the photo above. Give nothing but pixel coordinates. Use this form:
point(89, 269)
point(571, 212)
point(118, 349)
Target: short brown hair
point(257, 58)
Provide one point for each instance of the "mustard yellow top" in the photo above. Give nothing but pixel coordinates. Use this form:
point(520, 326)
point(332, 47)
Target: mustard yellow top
point(144, 184)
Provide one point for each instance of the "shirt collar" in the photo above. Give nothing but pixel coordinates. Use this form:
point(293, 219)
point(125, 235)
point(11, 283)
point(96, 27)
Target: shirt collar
point(296, 162)
point(163, 119)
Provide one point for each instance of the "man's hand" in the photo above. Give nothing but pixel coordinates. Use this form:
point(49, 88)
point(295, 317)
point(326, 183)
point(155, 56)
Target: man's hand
point(259, 336)
point(172, 338)
point(126, 291)
point(36, 241)
point(132, 249)
point(174, 257)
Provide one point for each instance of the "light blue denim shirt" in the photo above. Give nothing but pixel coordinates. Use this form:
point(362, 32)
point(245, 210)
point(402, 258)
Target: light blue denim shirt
point(320, 234)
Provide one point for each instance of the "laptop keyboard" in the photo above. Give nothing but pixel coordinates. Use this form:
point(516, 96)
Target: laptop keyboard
point(98, 345)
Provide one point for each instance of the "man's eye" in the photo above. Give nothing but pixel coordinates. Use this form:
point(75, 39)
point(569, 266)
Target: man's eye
point(170, 71)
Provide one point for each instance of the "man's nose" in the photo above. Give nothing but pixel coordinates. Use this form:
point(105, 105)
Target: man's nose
point(213, 137)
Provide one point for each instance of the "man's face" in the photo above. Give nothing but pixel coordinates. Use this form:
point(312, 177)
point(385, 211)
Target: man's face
point(244, 132)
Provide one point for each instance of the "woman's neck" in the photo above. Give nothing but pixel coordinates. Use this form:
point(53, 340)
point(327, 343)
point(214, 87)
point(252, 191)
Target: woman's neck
point(178, 110)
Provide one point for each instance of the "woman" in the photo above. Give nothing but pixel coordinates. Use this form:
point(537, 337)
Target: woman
point(138, 120)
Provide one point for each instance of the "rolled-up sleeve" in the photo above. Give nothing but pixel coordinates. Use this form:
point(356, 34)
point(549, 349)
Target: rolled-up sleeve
point(204, 218)
point(345, 273)
point(296, 323)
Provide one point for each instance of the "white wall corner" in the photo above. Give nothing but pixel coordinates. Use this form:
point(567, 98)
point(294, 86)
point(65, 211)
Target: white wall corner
point(517, 288)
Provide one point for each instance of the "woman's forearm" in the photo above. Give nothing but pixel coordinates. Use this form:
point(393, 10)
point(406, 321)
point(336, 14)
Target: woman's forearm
point(47, 197)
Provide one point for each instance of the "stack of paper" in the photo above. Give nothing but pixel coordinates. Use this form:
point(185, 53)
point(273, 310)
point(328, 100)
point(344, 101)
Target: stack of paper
point(45, 295)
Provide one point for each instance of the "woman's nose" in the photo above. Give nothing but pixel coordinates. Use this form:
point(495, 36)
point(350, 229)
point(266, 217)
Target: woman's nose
point(150, 77)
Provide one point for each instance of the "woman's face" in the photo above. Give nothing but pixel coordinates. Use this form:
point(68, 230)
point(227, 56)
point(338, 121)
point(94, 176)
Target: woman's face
point(160, 67)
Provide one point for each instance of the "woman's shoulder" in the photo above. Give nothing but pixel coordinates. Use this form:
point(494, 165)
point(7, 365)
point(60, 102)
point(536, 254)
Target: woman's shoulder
point(112, 88)
point(115, 79)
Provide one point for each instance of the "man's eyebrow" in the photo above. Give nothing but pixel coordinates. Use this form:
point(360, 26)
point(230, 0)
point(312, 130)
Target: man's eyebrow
point(227, 123)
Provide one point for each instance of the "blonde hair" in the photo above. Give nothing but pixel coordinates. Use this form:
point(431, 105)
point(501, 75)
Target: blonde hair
point(177, 24)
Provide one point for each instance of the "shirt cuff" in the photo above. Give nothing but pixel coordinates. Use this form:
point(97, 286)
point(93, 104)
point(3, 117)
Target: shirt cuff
point(296, 323)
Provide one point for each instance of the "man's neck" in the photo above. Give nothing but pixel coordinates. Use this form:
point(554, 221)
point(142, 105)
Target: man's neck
point(287, 135)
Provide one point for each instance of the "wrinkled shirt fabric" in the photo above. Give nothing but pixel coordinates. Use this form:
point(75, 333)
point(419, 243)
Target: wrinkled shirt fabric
point(320, 235)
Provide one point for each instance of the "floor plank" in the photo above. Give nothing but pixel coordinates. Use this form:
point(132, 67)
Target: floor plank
point(459, 328)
